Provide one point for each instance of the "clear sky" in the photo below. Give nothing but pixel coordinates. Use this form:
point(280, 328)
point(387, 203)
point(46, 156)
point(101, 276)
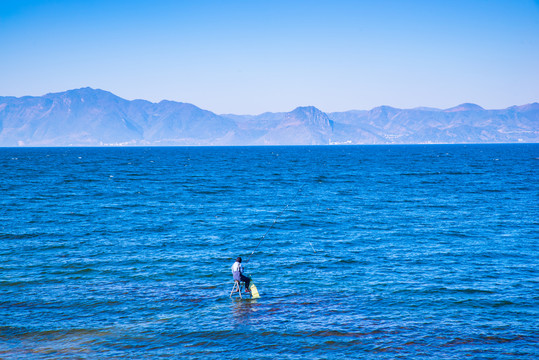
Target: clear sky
point(248, 57)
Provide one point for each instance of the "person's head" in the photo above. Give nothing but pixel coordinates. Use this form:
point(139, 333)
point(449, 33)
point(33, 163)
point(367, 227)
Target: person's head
point(238, 259)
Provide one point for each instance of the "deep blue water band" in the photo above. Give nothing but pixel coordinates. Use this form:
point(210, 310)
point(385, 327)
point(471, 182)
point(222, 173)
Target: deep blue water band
point(388, 252)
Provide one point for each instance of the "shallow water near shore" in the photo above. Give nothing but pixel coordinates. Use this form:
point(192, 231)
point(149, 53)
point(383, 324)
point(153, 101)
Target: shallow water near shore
point(383, 252)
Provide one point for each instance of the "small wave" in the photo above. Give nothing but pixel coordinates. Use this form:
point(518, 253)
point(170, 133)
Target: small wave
point(321, 179)
point(482, 340)
point(387, 349)
point(10, 332)
point(502, 303)
point(82, 271)
point(489, 191)
point(459, 291)
point(209, 192)
point(348, 261)
point(21, 236)
point(421, 174)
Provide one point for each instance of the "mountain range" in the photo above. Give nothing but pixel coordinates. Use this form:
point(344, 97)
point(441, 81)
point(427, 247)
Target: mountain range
point(93, 117)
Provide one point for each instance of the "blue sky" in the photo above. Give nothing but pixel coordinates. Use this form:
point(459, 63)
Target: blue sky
point(248, 57)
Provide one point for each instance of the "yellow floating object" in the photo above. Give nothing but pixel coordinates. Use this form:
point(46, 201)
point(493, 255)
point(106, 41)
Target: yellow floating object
point(254, 291)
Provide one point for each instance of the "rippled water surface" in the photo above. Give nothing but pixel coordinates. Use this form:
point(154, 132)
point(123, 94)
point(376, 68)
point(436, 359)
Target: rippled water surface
point(384, 252)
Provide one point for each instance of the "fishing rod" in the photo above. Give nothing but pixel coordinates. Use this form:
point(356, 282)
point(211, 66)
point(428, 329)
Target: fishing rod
point(275, 221)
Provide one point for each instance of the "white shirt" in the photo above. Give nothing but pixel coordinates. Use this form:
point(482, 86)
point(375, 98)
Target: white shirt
point(237, 267)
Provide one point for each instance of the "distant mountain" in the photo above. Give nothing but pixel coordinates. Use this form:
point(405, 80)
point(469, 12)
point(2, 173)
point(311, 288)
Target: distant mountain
point(89, 117)
point(302, 126)
point(465, 123)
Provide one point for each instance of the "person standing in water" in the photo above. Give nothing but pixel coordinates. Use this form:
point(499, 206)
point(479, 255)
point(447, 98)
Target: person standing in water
point(237, 273)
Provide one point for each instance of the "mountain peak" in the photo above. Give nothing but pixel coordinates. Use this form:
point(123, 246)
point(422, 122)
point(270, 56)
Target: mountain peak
point(311, 116)
point(82, 90)
point(85, 92)
point(306, 110)
point(383, 111)
point(527, 107)
point(465, 107)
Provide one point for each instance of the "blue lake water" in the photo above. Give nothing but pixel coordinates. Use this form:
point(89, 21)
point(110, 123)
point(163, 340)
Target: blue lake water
point(383, 252)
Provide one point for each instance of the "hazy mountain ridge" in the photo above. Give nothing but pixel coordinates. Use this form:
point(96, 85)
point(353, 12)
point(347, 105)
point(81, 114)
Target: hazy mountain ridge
point(89, 117)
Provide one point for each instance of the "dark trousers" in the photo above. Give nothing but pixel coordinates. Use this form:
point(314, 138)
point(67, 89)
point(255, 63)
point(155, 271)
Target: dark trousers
point(246, 279)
